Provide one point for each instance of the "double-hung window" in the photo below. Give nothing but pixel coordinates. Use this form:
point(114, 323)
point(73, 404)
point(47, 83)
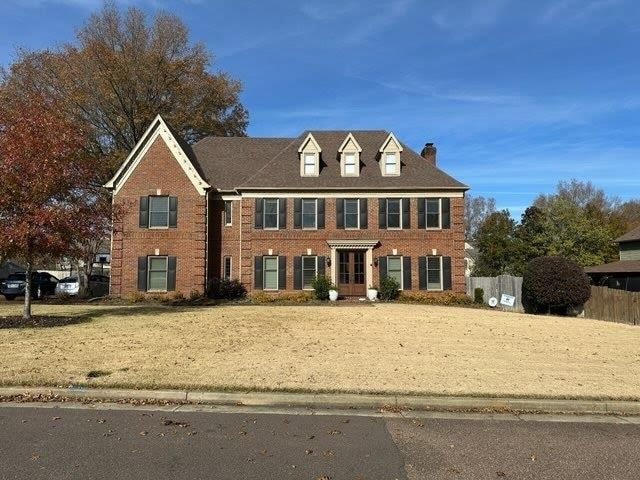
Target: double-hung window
point(270, 272)
point(394, 213)
point(157, 274)
point(391, 164)
point(309, 271)
point(433, 213)
point(394, 269)
point(434, 273)
point(158, 212)
point(350, 165)
point(271, 212)
point(352, 213)
point(310, 165)
point(309, 213)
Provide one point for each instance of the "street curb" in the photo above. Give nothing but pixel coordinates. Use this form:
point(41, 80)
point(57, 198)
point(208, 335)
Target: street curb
point(331, 401)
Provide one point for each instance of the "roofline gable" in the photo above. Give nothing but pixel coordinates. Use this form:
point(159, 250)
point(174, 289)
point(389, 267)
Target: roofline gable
point(346, 142)
point(386, 142)
point(309, 138)
point(157, 128)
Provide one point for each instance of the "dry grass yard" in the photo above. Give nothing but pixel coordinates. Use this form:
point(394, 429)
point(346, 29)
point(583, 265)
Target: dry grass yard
point(380, 348)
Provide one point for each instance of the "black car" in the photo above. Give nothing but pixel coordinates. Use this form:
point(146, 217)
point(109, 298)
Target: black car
point(42, 284)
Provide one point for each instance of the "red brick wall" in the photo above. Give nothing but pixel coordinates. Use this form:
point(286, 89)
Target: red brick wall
point(290, 242)
point(158, 169)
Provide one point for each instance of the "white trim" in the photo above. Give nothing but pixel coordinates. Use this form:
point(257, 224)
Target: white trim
point(309, 138)
point(343, 163)
point(126, 169)
point(344, 213)
point(401, 257)
point(264, 271)
point(166, 280)
point(302, 227)
point(316, 164)
point(439, 227)
point(230, 198)
point(302, 270)
point(264, 212)
point(349, 194)
point(396, 167)
point(400, 213)
point(224, 213)
point(441, 289)
point(352, 244)
point(346, 142)
point(391, 136)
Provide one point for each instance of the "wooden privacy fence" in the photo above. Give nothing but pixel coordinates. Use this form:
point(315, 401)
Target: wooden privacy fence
point(613, 305)
point(496, 286)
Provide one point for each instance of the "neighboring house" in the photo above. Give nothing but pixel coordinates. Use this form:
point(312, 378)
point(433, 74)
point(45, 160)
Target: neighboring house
point(624, 274)
point(276, 212)
point(470, 255)
point(7, 267)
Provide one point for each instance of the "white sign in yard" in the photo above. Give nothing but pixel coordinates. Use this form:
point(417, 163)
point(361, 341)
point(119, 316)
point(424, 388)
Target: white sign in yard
point(507, 300)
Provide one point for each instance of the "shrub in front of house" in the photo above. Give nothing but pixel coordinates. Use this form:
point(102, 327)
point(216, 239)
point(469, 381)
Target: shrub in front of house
point(389, 288)
point(281, 298)
point(321, 286)
point(226, 289)
point(554, 285)
point(478, 295)
point(444, 299)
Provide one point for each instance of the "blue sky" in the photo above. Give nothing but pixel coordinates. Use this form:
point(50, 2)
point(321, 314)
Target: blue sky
point(517, 95)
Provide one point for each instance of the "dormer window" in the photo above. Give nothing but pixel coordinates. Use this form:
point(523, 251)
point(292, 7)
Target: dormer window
point(390, 156)
point(350, 157)
point(309, 152)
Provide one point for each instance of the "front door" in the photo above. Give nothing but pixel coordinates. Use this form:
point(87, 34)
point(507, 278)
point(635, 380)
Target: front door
point(351, 272)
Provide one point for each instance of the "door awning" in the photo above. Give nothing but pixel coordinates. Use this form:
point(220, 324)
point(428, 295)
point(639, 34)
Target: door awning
point(353, 244)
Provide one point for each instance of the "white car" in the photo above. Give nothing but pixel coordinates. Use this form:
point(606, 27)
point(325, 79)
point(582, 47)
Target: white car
point(98, 286)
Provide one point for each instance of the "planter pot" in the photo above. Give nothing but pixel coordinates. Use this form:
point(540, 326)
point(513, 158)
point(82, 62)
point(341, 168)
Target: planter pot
point(372, 294)
point(333, 295)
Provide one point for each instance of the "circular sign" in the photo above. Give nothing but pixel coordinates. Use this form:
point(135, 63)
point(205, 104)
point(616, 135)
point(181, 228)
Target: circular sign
point(493, 301)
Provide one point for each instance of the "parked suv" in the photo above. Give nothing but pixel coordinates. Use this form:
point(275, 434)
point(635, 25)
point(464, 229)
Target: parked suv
point(42, 284)
point(98, 286)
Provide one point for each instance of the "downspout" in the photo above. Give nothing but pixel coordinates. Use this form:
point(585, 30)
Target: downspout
point(206, 243)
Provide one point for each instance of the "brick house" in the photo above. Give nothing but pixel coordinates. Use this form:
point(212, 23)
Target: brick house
point(276, 212)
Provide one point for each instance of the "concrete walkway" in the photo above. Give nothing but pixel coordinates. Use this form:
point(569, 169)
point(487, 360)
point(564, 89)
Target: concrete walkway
point(333, 401)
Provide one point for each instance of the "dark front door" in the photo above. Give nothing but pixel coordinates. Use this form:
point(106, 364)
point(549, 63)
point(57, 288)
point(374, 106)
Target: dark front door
point(351, 272)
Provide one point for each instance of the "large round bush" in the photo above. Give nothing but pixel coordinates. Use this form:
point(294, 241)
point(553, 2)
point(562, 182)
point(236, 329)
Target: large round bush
point(554, 285)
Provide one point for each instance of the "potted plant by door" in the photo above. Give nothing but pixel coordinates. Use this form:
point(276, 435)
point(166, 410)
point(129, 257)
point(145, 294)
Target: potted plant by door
point(333, 293)
point(372, 293)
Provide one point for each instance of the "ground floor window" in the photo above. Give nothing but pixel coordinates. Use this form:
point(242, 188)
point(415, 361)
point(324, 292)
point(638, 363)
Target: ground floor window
point(434, 273)
point(270, 272)
point(226, 268)
point(309, 271)
point(157, 272)
point(394, 269)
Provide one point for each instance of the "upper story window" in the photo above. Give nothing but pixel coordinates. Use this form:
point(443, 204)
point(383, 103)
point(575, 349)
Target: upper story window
point(309, 213)
point(158, 211)
point(390, 156)
point(349, 152)
point(309, 152)
point(228, 210)
point(352, 213)
point(271, 211)
point(394, 213)
point(434, 213)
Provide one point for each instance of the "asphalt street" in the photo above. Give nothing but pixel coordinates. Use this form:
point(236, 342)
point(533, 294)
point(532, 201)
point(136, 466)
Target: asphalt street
point(40, 442)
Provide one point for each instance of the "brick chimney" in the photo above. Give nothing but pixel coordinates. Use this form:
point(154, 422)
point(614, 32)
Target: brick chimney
point(429, 153)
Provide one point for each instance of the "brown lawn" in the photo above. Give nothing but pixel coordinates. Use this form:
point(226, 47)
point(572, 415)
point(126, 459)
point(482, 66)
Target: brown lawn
point(359, 348)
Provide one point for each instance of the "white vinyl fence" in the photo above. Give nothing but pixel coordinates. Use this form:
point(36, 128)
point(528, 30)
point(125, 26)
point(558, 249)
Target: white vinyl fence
point(496, 287)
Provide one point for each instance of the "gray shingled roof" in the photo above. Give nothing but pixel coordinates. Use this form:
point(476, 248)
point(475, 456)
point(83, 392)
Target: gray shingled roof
point(632, 236)
point(273, 163)
point(623, 266)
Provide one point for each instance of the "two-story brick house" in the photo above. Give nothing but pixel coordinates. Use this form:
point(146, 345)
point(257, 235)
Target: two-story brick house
point(276, 212)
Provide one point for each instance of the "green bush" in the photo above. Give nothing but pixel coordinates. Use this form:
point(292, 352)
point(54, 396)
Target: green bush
point(389, 288)
point(321, 285)
point(226, 289)
point(554, 285)
point(478, 295)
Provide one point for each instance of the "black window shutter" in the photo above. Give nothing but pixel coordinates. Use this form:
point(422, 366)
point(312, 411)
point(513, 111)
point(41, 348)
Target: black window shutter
point(364, 222)
point(321, 213)
point(406, 273)
point(339, 212)
point(144, 213)
point(258, 213)
point(382, 213)
point(173, 212)
point(422, 273)
point(282, 219)
point(297, 213)
point(382, 267)
point(422, 222)
point(282, 273)
point(446, 213)
point(322, 261)
point(406, 212)
point(142, 274)
point(257, 273)
point(171, 274)
point(297, 273)
point(446, 273)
